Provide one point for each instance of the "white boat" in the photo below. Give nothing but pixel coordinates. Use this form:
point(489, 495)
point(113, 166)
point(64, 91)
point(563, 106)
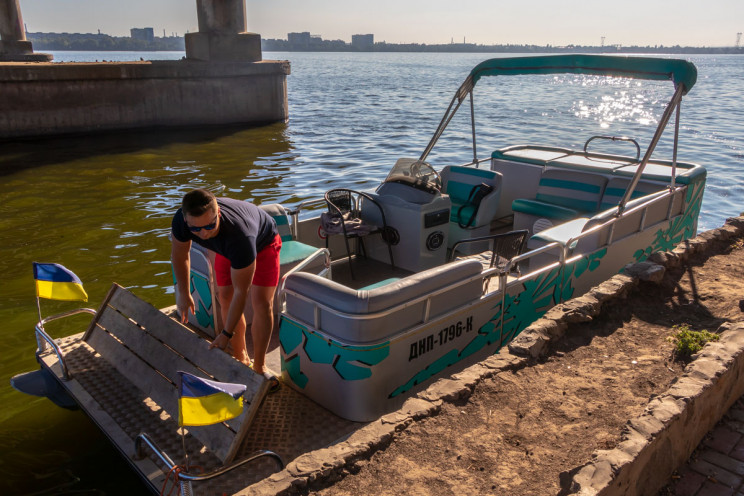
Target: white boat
point(442, 265)
point(562, 221)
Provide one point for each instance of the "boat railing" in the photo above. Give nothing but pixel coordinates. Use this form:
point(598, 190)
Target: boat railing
point(186, 478)
point(426, 298)
point(310, 260)
point(43, 339)
point(294, 213)
point(614, 138)
point(565, 251)
point(476, 162)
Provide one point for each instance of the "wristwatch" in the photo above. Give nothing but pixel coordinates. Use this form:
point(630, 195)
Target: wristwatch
point(228, 334)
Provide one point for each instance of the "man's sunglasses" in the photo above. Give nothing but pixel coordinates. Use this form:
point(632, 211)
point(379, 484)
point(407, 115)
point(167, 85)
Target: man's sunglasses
point(208, 227)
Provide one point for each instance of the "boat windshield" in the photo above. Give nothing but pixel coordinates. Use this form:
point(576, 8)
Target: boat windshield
point(415, 173)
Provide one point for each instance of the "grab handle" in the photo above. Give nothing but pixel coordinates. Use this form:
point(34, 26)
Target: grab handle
point(615, 138)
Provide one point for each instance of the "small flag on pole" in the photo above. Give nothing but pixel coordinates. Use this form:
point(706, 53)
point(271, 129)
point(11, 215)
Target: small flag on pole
point(55, 282)
point(205, 402)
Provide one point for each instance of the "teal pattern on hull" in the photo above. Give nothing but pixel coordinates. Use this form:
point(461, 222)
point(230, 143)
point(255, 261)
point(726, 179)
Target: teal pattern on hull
point(680, 228)
point(351, 363)
point(538, 296)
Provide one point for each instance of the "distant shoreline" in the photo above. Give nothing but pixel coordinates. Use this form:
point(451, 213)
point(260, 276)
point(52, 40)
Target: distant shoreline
point(104, 42)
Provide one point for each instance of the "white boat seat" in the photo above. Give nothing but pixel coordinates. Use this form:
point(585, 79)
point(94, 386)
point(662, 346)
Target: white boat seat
point(566, 231)
point(343, 313)
point(561, 195)
point(616, 188)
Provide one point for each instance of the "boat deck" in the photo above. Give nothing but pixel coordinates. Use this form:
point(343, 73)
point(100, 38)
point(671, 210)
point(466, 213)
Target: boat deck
point(287, 422)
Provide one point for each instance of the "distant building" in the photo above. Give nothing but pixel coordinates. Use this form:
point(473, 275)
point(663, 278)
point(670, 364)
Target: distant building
point(298, 40)
point(144, 34)
point(363, 41)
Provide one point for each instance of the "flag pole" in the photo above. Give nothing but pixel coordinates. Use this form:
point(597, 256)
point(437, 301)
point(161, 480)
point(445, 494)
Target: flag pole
point(38, 308)
point(41, 344)
point(183, 442)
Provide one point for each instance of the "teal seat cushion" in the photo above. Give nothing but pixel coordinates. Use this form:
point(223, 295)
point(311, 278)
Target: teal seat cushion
point(616, 188)
point(543, 209)
point(462, 217)
point(294, 251)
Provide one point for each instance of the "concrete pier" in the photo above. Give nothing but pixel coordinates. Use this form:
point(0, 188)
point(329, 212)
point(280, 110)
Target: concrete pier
point(221, 81)
point(222, 35)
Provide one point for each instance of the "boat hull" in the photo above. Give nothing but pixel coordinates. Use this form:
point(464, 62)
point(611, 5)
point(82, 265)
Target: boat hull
point(362, 381)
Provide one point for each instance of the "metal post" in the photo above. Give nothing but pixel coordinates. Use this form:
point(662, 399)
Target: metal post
point(472, 125)
point(654, 141)
point(41, 324)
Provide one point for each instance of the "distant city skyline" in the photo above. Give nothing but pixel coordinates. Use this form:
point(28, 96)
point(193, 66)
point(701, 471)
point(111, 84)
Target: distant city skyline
point(540, 22)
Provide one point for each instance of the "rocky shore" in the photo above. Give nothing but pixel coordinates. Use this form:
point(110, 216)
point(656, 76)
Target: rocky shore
point(590, 399)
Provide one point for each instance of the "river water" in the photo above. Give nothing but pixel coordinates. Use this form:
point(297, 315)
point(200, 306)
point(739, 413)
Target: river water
point(101, 205)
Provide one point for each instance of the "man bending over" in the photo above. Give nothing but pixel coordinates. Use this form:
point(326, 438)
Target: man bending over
point(246, 242)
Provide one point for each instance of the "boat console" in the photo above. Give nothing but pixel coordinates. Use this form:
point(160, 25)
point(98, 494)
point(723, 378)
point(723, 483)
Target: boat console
point(418, 214)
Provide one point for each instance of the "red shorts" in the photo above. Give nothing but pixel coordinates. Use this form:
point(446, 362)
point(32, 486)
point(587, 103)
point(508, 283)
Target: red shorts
point(267, 266)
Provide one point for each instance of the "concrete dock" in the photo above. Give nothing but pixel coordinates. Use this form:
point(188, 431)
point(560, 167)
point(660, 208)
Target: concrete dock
point(222, 80)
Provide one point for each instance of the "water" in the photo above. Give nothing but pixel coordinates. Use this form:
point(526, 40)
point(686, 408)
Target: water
point(101, 205)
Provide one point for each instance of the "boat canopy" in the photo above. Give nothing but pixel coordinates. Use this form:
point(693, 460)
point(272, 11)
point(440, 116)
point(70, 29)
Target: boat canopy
point(679, 71)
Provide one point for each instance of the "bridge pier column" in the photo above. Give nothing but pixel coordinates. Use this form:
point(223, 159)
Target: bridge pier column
point(13, 44)
point(222, 36)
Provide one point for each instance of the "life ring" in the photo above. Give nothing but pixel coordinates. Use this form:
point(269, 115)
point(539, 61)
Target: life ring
point(321, 233)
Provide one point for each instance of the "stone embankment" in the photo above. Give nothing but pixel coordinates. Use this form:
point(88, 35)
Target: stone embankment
point(653, 445)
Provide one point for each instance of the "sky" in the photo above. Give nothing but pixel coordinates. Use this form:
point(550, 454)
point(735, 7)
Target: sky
point(541, 22)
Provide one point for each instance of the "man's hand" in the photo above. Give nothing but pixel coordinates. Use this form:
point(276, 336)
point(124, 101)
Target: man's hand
point(184, 305)
point(219, 342)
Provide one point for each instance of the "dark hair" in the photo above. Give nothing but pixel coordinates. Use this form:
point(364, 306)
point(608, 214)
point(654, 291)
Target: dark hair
point(196, 202)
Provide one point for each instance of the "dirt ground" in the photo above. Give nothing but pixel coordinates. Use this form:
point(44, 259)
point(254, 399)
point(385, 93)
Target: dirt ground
point(520, 431)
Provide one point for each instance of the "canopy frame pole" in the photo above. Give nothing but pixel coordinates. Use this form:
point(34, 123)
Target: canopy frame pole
point(673, 104)
point(462, 91)
point(472, 125)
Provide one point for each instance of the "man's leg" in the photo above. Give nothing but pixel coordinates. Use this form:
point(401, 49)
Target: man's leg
point(265, 281)
point(224, 297)
point(237, 342)
point(262, 300)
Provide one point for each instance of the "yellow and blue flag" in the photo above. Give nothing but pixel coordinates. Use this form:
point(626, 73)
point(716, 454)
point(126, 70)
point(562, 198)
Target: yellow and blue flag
point(205, 402)
point(55, 282)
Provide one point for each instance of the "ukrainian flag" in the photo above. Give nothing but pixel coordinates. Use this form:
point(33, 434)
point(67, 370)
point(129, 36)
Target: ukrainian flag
point(55, 282)
point(205, 402)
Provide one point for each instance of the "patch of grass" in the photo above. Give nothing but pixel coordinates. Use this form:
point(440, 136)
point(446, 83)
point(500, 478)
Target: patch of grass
point(688, 342)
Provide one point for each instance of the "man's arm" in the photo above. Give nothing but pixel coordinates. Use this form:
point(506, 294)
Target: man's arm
point(241, 280)
point(180, 258)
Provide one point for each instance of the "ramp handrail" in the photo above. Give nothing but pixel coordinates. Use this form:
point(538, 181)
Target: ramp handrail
point(144, 438)
point(42, 338)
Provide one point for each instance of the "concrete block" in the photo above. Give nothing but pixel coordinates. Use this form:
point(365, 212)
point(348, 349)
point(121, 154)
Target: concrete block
point(412, 409)
point(533, 343)
point(244, 47)
point(445, 389)
point(84, 97)
point(646, 271)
